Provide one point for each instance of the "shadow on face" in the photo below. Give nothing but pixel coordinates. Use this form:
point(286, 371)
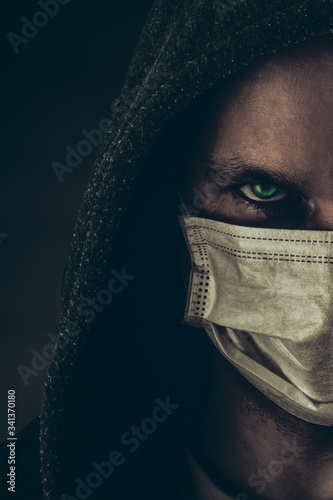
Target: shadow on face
point(263, 155)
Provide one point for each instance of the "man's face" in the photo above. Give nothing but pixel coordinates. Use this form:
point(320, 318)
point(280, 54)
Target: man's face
point(268, 160)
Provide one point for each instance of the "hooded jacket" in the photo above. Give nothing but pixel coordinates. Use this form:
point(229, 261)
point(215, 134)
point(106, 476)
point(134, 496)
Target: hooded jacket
point(123, 358)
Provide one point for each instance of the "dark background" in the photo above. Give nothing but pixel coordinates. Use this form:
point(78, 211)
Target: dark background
point(62, 81)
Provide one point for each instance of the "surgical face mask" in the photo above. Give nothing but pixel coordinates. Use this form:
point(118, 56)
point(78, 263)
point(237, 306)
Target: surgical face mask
point(264, 296)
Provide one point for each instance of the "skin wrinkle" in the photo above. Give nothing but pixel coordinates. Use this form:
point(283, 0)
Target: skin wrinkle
point(241, 430)
point(236, 172)
point(283, 149)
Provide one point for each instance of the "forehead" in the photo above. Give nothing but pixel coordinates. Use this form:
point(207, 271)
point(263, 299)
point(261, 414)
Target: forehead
point(279, 113)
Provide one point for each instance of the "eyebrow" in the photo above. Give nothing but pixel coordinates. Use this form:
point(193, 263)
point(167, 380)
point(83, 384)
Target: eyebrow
point(236, 171)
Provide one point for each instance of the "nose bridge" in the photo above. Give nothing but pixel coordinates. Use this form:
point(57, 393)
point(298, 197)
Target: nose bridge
point(321, 217)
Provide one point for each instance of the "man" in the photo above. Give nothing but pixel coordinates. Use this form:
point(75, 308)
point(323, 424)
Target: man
point(268, 163)
point(137, 402)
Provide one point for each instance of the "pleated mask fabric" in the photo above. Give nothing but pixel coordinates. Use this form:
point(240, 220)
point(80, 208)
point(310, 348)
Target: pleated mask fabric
point(264, 296)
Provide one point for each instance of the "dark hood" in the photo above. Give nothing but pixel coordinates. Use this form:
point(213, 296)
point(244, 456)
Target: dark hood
point(112, 365)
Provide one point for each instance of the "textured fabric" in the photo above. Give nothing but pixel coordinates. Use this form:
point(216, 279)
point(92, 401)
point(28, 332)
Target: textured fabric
point(281, 281)
point(97, 384)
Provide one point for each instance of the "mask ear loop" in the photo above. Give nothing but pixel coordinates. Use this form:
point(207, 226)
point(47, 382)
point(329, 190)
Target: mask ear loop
point(182, 206)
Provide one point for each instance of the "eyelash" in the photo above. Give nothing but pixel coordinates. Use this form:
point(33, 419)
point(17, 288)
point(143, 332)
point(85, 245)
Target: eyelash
point(266, 208)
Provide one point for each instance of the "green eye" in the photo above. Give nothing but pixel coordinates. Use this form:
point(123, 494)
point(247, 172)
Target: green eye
point(263, 192)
